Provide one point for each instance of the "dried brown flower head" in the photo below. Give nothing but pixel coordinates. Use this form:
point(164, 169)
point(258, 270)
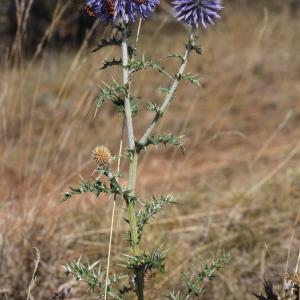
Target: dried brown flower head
point(102, 156)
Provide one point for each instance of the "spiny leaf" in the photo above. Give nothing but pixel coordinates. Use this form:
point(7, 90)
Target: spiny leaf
point(150, 209)
point(116, 93)
point(139, 65)
point(270, 292)
point(96, 187)
point(134, 105)
point(194, 283)
point(166, 91)
point(178, 56)
point(86, 273)
point(192, 78)
point(93, 276)
point(197, 49)
point(113, 92)
point(148, 261)
point(107, 43)
point(111, 63)
point(154, 108)
point(163, 139)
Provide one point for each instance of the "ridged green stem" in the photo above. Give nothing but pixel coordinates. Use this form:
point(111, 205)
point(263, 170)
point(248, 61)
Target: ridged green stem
point(131, 143)
point(139, 276)
point(132, 168)
point(131, 206)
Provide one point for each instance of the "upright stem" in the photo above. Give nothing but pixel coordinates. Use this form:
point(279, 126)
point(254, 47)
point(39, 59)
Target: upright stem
point(173, 88)
point(131, 143)
point(139, 276)
point(128, 114)
point(132, 168)
point(131, 206)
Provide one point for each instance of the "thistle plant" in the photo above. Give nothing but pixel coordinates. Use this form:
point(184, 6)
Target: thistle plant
point(138, 263)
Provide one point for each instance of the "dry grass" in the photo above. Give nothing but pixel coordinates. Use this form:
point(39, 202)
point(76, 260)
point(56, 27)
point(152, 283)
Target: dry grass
point(238, 184)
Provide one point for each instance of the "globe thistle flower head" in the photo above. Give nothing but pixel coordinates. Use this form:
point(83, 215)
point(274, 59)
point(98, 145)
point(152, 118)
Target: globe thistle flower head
point(102, 156)
point(102, 9)
point(113, 11)
point(143, 8)
point(195, 12)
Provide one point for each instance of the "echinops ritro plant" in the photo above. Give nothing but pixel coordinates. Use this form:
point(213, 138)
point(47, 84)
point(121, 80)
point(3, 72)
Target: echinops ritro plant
point(139, 263)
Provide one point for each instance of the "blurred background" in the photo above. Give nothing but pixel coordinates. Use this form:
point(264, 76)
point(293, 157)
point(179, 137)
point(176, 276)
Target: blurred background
point(238, 184)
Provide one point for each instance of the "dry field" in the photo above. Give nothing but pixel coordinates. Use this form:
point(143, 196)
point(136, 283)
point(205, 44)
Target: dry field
point(238, 185)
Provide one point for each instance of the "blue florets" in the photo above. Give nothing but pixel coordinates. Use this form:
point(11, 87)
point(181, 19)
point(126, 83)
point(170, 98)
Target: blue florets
point(112, 11)
point(195, 12)
point(143, 9)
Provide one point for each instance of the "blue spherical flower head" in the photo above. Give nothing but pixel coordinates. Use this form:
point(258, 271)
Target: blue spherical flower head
point(195, 12)
point(130, 10)
point(102, 9)
point(143, 8)
point(111, 11)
